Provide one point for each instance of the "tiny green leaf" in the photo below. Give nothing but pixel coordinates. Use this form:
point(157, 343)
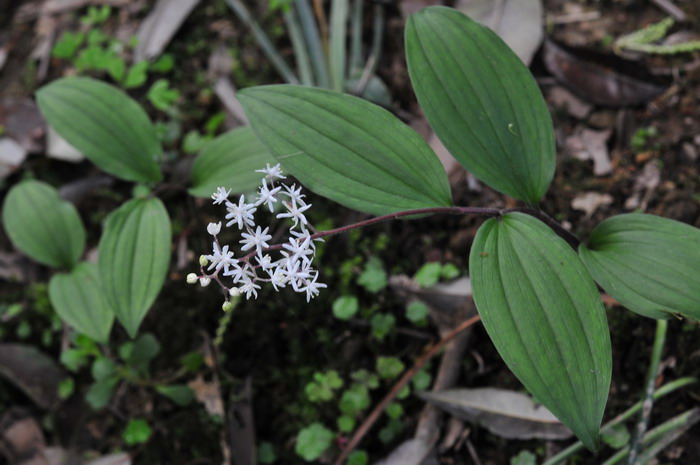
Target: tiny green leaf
point(178, 393)
point(101, 392)
point(428, 274)
point(42, 225)
point(543, 313)
point(79, 300)
point(648, 263)
point(137, 431)
point(482, 102)
point(229, 161)
point(134, 255)
point(347, 149)
point(389, 367)
point(103, 368)
point(104, 124)
point(313, 441)
point(345, 307)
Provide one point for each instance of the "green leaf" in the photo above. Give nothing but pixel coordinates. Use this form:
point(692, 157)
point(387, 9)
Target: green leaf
point(137, 431)
point(345, 424)
point(229, 161)
point(313, 441)
point(524, 458)
point(346, 149)
point(137, 75)
point(417, 312)
point(134, 255)
point(616, 436)
point(354, 400)
point(79, 300)
point(178, 393)
point(101, 392)
point(482, 102)
point(67, 45)
point(103, 369)
point(648, 263)
point(382, 324)
point(358, 457)
point(139, 353)
point(373, 278)
point(428, 274)
point(389, 367)
point(42, 225)
point(266, 453)
point(104, 124)
point(345, 307)
point(543, 313)
point(161, 95)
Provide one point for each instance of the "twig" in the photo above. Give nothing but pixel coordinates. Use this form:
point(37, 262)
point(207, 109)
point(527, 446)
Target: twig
point(407, 376)
point(648, 399)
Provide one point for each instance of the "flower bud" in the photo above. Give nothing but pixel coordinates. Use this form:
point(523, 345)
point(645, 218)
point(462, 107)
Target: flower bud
point(214, 229)
point(204, 282)
point(234, 292)
point(192, 278)
point(203, 260)
point(227, 306)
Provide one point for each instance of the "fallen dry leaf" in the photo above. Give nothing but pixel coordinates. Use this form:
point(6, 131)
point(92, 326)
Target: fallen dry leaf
point(160, 26)
point(644, 187)
point(517, 22)
point(33, 372)
point(603, 79)
point(589, 202)
point(12, 155)
point(209, 394)
point(509, 414)
point(589, 144)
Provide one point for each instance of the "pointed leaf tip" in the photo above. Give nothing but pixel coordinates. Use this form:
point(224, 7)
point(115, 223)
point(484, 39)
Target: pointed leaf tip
point(482, 102)
point(347, 149)
point(543, 313)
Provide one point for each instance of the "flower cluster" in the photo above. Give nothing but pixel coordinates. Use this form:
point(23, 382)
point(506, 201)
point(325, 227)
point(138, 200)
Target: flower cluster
point(291, 268)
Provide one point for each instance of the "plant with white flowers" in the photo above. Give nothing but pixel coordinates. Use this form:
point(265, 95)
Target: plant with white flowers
point(255, 265)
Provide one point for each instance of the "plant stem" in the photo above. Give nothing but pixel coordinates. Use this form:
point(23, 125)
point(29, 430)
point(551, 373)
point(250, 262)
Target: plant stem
point(627, 414)
point(407, 376)
point(680, 422)
point(373, 59)
point(648, 399)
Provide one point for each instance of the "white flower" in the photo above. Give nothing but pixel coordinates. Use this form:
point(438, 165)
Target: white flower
point(295, 212)
point(258, 240)
point(221, 257)
point(299, 249)
point(267, 196)
point(295, 195)
point(264, 261)
point(297, 273)
point(221, 195)
point(278, 277)
point(272, 173)
point(249, 288)
point(312, 288)
point(204, 281)
point(241, 213)
point(214, 228)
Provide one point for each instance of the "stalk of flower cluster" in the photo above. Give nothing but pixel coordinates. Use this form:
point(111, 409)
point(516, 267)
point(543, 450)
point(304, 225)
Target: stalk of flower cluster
point(293, 267)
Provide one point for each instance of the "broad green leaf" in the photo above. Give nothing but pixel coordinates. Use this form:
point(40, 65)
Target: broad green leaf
point(104, 124)
point(178, 393)
point(482, 102)
point(543, 313)
point(42, 225)
point(346, 149)
point(134, 255)
point(650, 264)
point(229, 161)
point(79, 300)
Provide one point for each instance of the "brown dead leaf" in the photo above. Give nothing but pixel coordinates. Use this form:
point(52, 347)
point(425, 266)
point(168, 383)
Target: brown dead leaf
point(21, 438)
point(589, 202)
point(588, 144)
point(160, 26)
point(644, 187)
point(209, 394)
point(32, 371)
point(23, 122)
